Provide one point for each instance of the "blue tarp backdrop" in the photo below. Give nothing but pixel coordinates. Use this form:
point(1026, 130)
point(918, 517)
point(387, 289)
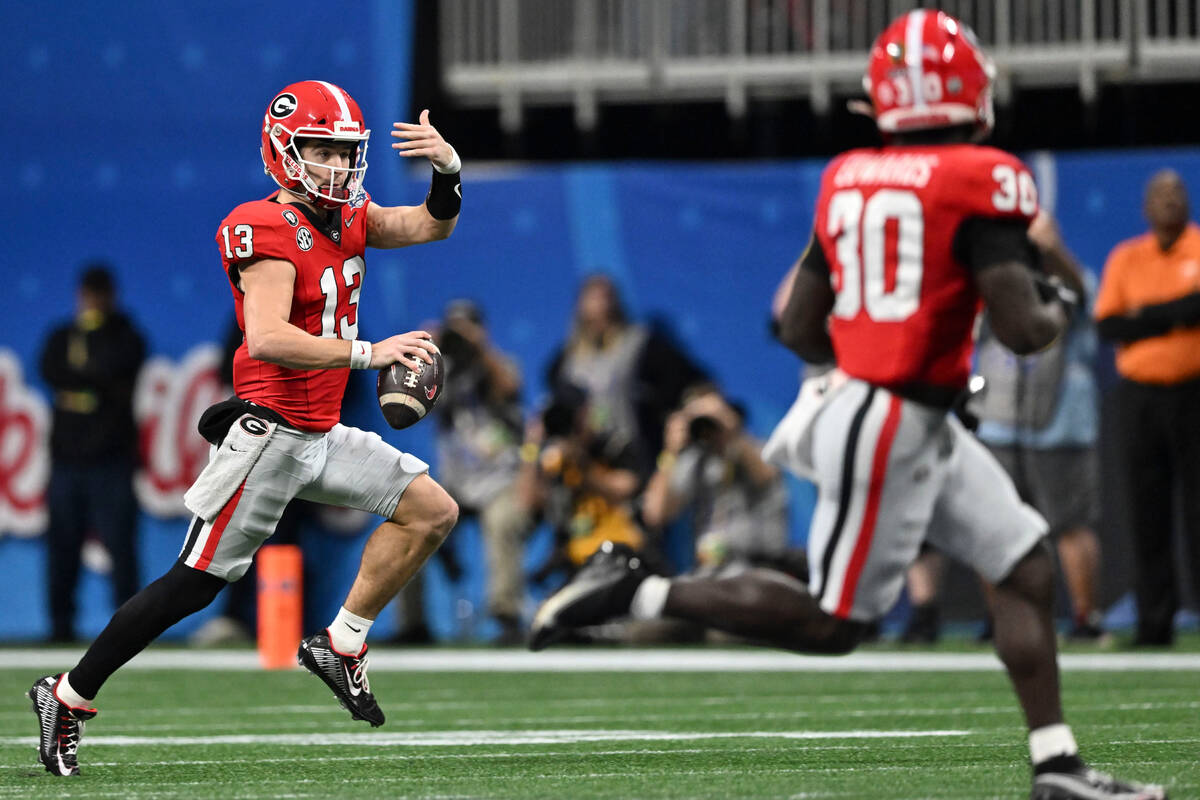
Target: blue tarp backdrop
point(144, 136)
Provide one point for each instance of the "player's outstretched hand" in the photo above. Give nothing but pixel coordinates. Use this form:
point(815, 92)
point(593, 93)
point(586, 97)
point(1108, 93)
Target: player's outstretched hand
point(422, 139)
point(405, 348)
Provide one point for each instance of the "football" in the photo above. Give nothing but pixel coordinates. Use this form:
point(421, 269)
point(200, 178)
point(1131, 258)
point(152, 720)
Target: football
point(406, 396)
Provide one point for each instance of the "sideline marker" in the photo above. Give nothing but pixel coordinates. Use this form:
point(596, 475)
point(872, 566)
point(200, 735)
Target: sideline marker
point(280, 583)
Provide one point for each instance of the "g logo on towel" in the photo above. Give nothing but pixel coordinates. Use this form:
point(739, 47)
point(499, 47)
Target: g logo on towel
point(254, 426)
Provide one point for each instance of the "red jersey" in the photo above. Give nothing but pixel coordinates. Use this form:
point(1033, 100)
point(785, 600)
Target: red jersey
point(886, 221)
point(329, 273)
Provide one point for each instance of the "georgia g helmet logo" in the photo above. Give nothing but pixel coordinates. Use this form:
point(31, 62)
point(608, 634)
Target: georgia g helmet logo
point(283, 105)
point(314, 110)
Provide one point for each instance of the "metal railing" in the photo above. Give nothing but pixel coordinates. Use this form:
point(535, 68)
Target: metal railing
point(512, 53)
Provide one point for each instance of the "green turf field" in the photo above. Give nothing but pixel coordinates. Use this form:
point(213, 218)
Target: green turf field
point(475, 729)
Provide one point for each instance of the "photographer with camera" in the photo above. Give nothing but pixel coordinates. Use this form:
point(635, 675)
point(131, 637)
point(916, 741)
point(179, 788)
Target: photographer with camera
point(479, 425)
point(583, 482)
point(712, 466)
point(633, 373)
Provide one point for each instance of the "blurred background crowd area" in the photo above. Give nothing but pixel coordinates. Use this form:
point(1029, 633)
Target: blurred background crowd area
point(673, 148)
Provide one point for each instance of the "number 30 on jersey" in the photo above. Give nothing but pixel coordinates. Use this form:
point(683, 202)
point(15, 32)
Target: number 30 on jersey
point(860, 227)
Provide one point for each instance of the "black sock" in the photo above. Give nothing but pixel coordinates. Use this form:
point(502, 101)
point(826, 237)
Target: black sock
point(180, 593)
point(1071, 763)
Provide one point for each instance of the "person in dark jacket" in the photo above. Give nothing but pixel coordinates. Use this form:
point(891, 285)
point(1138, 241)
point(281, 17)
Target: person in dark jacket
point(634, 374)
point(90, 365)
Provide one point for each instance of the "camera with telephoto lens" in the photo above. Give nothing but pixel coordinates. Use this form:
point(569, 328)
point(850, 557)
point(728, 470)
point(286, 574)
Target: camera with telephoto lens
point(704, 431)
point(560, 416)
point(456, 348)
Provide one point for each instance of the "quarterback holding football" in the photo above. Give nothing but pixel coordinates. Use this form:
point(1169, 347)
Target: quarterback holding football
point(295, 264)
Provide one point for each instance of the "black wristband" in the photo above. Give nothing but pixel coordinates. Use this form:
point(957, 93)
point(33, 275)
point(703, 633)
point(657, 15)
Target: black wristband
point(445, 195)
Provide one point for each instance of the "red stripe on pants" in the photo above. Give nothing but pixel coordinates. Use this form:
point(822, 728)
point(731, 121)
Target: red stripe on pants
point(214, 536)
point(867, 531)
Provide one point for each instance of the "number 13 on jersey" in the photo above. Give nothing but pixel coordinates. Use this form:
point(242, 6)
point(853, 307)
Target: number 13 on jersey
point(245, 241)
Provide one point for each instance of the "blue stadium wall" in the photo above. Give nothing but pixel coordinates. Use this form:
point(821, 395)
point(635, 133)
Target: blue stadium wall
point(144, 134)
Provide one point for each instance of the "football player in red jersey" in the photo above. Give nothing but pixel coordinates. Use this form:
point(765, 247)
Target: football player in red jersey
point(295, 265)
point(910, 241)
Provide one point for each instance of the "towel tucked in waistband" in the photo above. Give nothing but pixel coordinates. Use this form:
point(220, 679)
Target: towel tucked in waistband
point(228, 466)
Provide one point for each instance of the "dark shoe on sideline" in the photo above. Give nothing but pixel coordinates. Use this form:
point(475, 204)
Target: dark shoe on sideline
point(345, 674)
point(61, 727)
point(1089, 631)
point(511, 634)
point(62, 636)
point(413, 635)
point(924, 626)
point(1154, 639)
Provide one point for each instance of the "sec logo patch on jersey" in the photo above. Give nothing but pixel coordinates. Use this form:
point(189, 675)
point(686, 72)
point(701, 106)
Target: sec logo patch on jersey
point(304, 239)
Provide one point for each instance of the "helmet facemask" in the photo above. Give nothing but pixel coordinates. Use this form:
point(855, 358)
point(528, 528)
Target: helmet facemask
point(345, 183)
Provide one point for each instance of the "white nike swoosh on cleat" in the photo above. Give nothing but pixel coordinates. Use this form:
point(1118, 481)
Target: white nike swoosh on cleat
point(353, 688)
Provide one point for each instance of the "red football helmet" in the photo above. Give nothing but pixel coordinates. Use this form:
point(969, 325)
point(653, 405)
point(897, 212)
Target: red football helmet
point(927, 70)
point(314, 110)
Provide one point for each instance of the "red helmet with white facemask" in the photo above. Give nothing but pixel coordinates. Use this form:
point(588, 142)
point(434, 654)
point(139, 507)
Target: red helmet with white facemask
point(314, 110)
point(927, 70)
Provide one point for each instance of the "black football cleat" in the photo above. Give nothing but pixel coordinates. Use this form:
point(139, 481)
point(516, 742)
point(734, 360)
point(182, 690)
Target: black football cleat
point(61, 727)
point(924, 626)
point(1088, 784)
point(346, 675)
point(1090, 630)
point(601, 590)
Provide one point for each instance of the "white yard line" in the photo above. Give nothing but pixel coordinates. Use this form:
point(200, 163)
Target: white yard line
point(630, 660)
point(478, 737)
point(475, 755)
